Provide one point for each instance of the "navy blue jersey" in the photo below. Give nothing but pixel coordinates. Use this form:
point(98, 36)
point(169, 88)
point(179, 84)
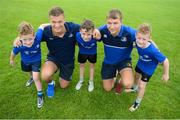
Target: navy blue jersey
point(61, 48)
point(89, 47)
point(149, 58)
point(117, 48)
point(33, 53)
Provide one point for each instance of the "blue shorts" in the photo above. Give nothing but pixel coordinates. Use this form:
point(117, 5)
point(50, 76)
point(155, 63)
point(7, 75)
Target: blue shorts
point(33, 66)
point(108, 71)
point(66, 70)
point(145, 77)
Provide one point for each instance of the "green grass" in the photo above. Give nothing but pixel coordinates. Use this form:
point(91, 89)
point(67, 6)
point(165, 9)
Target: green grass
point(160, 101)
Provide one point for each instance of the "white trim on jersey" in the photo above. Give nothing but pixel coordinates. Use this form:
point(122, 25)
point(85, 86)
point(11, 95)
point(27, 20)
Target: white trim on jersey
point(114, 46)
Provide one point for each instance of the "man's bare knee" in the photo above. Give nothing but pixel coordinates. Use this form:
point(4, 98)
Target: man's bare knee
point(63, 86)
point(64, 83)
point(128, 84)
point(107, 89)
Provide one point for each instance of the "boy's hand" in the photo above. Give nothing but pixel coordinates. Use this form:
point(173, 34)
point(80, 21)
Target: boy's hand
point(17, 42)
point(96, 34)
point(165, 77)
point(42, 26)
point(11, 62)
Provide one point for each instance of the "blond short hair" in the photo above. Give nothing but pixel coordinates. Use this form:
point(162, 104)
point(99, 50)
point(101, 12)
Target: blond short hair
point(25, 28)
point(144, 29)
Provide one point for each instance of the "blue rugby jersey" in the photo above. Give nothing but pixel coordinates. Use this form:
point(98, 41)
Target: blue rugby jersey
point(89, 47)
point(149, 58)
point(33, 53)
point(61, 48)
point(117, 48)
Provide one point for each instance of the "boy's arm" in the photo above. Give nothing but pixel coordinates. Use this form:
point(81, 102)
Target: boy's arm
point(165, 76)
point(12, 57)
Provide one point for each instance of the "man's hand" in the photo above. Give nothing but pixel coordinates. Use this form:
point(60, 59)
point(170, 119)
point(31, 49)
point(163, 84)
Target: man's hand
point(17, 42)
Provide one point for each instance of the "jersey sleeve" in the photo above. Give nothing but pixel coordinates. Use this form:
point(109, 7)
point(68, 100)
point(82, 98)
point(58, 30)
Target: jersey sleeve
point(39, 35)
point(159, 56)
point(76, 28)
point(16, 50)
point(45, 32)
point(102, 28)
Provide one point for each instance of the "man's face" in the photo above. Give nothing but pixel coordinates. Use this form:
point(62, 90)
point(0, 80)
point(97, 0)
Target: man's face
point(27, 40)
point(86, 35)
point(113, 26)
point(57, 23)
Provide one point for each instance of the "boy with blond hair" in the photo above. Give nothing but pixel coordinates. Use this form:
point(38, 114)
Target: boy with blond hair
point(149, 58)
point(30, 55)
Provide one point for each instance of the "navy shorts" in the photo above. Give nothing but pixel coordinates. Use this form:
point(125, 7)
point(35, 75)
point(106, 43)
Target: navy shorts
point(82, 58)
point(33, 66)
point(66, 70)
point(108, 71)
point(145, 77)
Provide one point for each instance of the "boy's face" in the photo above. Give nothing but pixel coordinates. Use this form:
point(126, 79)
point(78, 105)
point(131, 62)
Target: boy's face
point(86, 35)
point(57, 23)
point(113, 26)
point(142, 40)
point(27, 40)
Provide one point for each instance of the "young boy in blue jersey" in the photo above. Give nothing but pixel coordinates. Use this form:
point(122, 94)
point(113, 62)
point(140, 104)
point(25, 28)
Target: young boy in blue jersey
point(149, 58)
point(30, 55)
point(118, 43)
point(87, 51)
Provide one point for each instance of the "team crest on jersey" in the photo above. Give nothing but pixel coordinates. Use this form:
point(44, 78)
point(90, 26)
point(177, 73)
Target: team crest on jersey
point(123, 39)
point(105, 36)
point(37, 46)
point(70, 35)
point(26, 52)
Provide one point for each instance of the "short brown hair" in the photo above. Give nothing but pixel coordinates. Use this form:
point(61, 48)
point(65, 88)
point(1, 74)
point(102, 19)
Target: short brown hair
point(25, 28)
point(114, 14)
point(144, 29)
point(56, 11)
point(88, 25)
